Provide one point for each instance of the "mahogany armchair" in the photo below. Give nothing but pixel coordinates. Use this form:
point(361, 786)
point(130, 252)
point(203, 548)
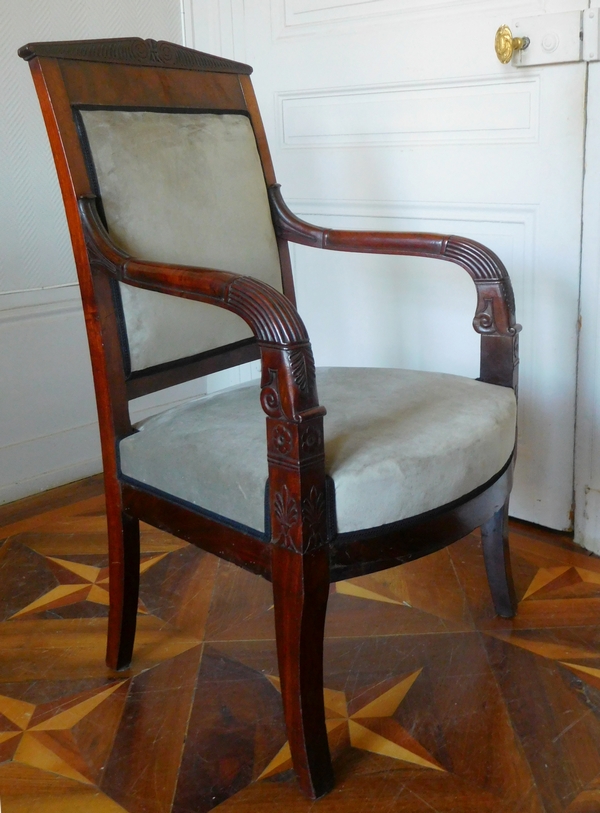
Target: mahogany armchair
point(180, 235)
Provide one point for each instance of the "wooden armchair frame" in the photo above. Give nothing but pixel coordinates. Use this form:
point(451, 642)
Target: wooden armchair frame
point(303, 555)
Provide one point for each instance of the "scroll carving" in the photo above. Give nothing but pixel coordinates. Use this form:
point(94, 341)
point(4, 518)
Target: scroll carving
point(270, 400)
point(484, 319)
point(134, 51)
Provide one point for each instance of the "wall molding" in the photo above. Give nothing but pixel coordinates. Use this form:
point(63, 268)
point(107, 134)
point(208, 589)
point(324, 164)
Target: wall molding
point(39, 297)
point(479, 110)
point(187, 23)
point(39, 463)
point(293, 18)
point(49, 436)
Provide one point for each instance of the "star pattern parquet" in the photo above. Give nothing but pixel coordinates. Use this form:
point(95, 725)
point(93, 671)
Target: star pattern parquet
point(432, 703)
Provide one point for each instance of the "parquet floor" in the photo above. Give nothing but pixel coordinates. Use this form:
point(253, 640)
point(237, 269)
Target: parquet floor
point(433, 704)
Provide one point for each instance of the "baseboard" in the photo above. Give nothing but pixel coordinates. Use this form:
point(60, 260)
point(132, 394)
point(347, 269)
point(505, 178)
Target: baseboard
point(41, 463)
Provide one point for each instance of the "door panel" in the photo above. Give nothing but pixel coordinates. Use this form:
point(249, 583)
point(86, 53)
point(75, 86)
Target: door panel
point(395, 114)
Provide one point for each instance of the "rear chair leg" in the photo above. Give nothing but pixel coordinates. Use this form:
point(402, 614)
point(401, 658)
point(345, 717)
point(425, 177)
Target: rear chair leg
point(300, 590)
point(496, 554)
point(124, 572)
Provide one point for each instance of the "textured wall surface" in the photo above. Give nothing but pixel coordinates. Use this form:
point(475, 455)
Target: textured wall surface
point(48, 429)
point(36, 252)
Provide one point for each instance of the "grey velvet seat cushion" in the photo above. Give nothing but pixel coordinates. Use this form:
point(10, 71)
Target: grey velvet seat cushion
point(397, 443)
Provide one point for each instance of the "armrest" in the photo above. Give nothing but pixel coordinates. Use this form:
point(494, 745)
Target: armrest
point(495, 313)
point(288, 371)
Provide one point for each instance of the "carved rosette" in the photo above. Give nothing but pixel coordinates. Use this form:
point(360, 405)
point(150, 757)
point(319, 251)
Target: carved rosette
point(283, 441)
point(311, 440)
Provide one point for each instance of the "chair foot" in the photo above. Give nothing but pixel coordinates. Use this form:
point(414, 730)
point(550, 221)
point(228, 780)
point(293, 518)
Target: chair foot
point(496, 554)
point(124, 571)
point(301, 590)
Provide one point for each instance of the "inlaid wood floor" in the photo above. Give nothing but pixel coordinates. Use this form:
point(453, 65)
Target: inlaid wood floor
point(433, 704)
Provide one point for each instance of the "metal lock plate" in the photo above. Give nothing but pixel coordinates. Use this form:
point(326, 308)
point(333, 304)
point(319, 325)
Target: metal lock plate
point(553, 38)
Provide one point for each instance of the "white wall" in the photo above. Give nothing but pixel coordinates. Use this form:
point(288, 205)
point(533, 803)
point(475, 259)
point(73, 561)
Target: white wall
point(48, 427)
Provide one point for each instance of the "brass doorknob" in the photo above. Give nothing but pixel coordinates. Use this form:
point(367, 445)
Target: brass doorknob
point(506, 44)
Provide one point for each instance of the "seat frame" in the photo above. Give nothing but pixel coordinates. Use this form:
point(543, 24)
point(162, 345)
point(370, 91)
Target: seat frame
point(302, 557)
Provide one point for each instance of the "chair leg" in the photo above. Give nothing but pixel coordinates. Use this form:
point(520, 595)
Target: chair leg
point(300, 590)
point(124, 573)
point(494, 535)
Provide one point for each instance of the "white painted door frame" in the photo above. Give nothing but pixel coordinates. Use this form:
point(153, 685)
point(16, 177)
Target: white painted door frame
point(587, 451)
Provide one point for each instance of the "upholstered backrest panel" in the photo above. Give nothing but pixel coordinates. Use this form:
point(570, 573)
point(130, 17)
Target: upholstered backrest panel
point(183, 188)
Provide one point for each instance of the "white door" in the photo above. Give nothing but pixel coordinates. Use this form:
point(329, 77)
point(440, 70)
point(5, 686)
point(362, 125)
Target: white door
point(396, 114)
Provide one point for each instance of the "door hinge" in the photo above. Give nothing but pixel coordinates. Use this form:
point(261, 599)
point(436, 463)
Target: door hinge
point(570, 36)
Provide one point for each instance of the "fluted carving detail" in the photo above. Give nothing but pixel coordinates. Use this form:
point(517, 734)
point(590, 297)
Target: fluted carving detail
point(275, 320)
point(481, 263)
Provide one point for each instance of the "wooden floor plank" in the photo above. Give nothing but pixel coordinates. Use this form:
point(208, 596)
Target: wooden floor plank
point(49, 500)
point(432, 702)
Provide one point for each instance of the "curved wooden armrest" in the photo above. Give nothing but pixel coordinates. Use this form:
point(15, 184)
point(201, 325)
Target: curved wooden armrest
point(288, 371)
point(495, 312)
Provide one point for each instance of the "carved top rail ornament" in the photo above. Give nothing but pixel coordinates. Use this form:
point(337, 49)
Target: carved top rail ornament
point(134, 51)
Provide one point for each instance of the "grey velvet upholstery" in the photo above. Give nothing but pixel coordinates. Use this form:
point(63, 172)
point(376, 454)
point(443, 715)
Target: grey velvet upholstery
point(189, 189)
point(397, 443)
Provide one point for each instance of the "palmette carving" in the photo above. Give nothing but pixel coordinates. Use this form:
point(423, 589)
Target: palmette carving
point(302, 365)
point(313, 516)
point(287, 517)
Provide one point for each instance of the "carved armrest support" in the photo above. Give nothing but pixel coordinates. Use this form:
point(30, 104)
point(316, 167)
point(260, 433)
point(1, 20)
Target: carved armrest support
point(495, 313)
point(289, 391)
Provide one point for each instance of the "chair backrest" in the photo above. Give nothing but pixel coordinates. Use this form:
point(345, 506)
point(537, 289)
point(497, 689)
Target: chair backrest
point(170, 142)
